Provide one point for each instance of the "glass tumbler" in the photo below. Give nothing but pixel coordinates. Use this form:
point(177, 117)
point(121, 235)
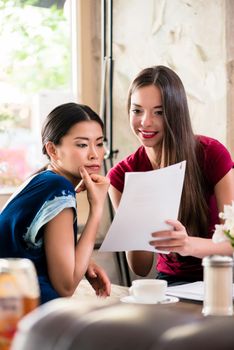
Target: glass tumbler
point(19, 294)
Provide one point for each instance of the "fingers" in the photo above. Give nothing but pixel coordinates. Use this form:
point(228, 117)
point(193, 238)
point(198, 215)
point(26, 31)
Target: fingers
point(103, 289)
point(170, 240)
point(177, 226)
point(167, 243)
point(177, 229)
point(84, 174)
point(103, 292)
point(87, 178)
point(81, 186)
point(91, 272)
point(106, 285)
point(100, 179)
point(97, 188)
point(103, 282)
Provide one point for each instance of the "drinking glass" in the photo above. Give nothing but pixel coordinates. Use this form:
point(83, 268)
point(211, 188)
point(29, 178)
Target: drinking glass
point(19, 294)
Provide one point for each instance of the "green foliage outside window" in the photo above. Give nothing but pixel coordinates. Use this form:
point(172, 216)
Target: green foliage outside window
point(35, 57)
point(35, 46)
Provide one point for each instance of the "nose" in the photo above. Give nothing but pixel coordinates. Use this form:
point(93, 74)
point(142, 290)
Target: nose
point(146, 119)
point(93, 154)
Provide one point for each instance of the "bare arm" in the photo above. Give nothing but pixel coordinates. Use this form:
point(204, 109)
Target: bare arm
point(183, 244)
point(224, 190)
point(67, 265)
point(140, 262)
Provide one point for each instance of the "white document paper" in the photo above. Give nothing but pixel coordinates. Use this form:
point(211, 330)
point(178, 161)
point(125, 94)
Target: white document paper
point(148, 199)
point(193, 291)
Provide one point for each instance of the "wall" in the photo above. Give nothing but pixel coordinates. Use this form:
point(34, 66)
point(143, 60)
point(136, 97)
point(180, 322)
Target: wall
point(189, 37)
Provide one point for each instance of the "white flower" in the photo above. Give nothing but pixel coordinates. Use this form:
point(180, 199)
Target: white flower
point(219, 235)
point(225, 231)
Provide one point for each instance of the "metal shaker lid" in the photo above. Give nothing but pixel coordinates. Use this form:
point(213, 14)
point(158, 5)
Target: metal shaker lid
point(217, 260)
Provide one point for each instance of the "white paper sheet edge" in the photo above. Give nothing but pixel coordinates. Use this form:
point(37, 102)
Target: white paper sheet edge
point(149, 198)
point(192, 291)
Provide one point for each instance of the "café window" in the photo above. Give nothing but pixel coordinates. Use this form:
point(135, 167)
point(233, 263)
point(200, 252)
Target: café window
point(35, 77)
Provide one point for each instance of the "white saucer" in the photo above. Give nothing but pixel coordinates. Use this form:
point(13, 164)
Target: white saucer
point(131, 300)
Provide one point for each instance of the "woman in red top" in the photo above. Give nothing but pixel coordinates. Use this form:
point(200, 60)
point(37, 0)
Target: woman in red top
point(159, 117)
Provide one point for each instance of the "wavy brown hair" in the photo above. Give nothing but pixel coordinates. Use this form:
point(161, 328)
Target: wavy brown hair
point(179, 142)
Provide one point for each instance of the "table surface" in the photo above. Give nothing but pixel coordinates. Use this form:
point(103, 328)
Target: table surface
point(85, 292)
point(192, 306)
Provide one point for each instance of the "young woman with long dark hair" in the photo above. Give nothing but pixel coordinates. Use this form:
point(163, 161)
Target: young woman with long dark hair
point(159, 117)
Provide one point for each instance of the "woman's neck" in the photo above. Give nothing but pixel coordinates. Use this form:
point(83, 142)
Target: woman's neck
point(156, 157)
point(61, 172)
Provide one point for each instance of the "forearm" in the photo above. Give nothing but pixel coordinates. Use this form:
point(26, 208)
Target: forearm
point(85, 245)
point(201, 247)
point(140, 262)
point(67, 265)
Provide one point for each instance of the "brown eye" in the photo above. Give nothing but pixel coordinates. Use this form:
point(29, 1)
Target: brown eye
point(160, 113)
point(81, 145)
point(136, 111)
point(101, 144)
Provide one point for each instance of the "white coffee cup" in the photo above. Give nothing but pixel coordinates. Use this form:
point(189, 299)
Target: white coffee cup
point(148, 290)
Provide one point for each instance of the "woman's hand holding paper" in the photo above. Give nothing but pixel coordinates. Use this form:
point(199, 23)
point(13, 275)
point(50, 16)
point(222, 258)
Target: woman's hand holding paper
point(175, 240)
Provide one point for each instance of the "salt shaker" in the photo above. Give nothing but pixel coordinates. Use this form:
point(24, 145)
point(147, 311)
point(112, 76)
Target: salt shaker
point(218, 277)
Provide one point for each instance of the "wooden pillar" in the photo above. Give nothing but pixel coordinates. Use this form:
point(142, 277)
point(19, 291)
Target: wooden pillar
point(230, 74)
point(86, 51)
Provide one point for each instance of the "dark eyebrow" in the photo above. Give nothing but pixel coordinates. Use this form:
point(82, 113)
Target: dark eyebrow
point(139, 106)
point(87, 139)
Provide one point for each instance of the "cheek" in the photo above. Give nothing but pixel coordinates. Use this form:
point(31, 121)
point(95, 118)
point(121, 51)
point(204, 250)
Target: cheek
point(102, 153)
point(76, 154)
point(133, 123)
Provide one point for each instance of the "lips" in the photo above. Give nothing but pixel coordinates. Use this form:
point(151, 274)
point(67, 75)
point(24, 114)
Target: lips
point(148, 134)
point(92, 168)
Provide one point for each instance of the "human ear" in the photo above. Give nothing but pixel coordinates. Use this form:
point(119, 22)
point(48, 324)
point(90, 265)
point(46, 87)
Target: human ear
point(51, 149)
